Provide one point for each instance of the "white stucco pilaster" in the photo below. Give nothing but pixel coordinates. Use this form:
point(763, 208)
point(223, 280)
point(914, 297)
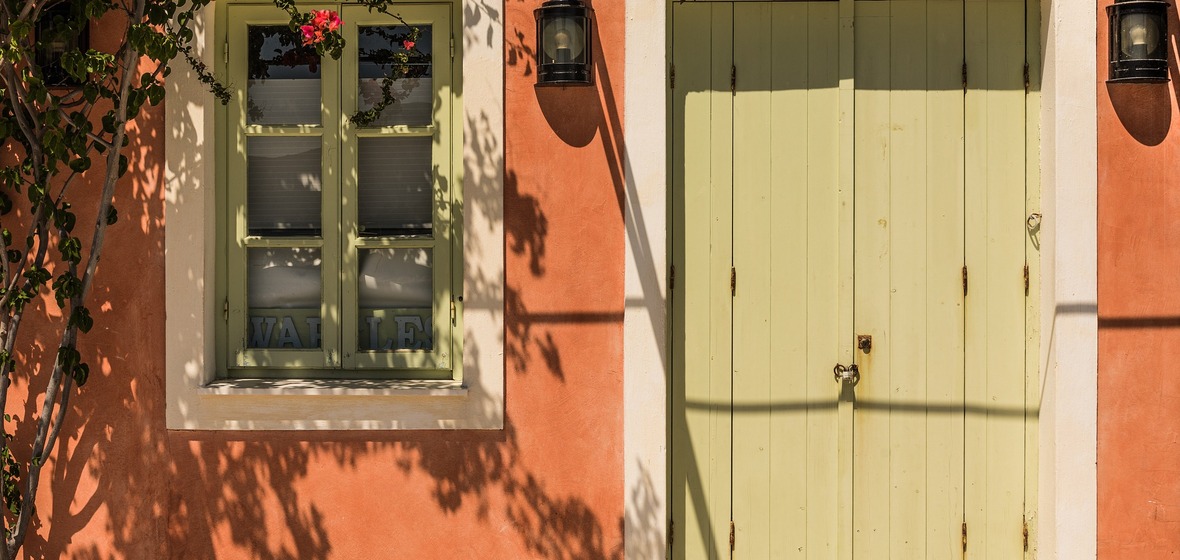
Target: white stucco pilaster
point(1067, 498)
point(645, 345)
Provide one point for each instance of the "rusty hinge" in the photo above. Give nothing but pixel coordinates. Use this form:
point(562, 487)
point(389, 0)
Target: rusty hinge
point(732, 537)
point(964, 536)
point(672, 278)
point(225, 310)
point(733, 79)
point(1026, 279)
point(672, 75)
point(732, 281)
point(1025, 77)
point(1026, 534)
point(964, 76)
point(964, 279)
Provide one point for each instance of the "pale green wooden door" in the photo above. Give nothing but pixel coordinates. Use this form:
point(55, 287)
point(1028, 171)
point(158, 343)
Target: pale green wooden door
point(831, 180)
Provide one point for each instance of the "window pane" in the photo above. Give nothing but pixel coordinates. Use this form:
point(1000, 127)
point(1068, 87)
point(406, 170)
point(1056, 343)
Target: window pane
point(283, 187)
point(395, 186)
point(396, 297)
point(283, 297)
point(284, 81)
point(381, 52)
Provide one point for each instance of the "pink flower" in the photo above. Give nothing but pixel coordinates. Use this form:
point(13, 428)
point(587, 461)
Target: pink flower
point(310, 34)
point(326, 19)
point(408, 44)
point(322, 21)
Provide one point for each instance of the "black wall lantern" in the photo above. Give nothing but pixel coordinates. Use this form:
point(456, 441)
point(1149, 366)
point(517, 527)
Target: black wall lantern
point(1138, 41)
point(563, 43)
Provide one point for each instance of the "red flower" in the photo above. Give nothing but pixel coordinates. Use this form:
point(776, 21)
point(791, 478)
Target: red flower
point(408, 44)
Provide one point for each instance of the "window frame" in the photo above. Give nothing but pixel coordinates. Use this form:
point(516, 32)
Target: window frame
point(340, 242)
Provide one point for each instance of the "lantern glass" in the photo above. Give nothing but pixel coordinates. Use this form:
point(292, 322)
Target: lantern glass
point(564, 39)
point(1139, 35)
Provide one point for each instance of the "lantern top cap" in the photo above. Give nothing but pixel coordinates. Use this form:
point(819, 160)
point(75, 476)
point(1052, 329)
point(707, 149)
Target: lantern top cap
point(1159, 3)
point(563, 4)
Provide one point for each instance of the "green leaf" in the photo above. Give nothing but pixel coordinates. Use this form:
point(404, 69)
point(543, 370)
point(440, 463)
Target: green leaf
point(81, 164)
point(64, 219)
point(80, 317)
point(68, 357)
point(66, 287)
point(71, 249)
point(81, 373)
point(20, 29)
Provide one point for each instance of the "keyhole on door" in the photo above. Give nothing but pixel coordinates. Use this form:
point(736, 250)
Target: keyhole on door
point(864, 342)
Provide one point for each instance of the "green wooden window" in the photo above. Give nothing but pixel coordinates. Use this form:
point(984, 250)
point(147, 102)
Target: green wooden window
point(339, 240)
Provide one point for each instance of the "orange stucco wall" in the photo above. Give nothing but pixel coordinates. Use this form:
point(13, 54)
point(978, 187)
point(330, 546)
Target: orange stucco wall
point(1139, 313)
point(550, 485)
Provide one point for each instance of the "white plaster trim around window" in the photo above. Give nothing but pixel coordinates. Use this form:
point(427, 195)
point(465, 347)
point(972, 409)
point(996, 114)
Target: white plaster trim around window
point(191, 177)
point(1068, 490)
point(645, 354)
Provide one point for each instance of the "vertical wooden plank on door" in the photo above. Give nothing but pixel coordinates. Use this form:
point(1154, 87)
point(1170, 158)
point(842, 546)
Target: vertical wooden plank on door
point(904, 399)
point(702, 175)
point(995, 237)
point(720, 265)
point(823, 246)
point(944, 294)
point(1032, 251)
point(755, 189)
point(846, 286)
point(871, 492)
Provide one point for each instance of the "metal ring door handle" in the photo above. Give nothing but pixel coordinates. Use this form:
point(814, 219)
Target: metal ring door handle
point(846, 374)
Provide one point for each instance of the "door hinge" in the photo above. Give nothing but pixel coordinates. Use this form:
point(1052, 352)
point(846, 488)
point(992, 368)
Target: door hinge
point(672, 75)
point(964, 536)
point(1026, 534)
point(1025, 77)
point(225, 52)
point(733, 79)
point(454, 313)
point(1026, 279)
point(671, 533)
point(732, 281)
point(964, 280)
point(964, 76)
point(672, 278)
point(732, 537)
point(452, 47)
point(225, 310)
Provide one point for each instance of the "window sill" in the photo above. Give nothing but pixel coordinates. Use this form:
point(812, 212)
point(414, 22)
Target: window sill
point(336, 387)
